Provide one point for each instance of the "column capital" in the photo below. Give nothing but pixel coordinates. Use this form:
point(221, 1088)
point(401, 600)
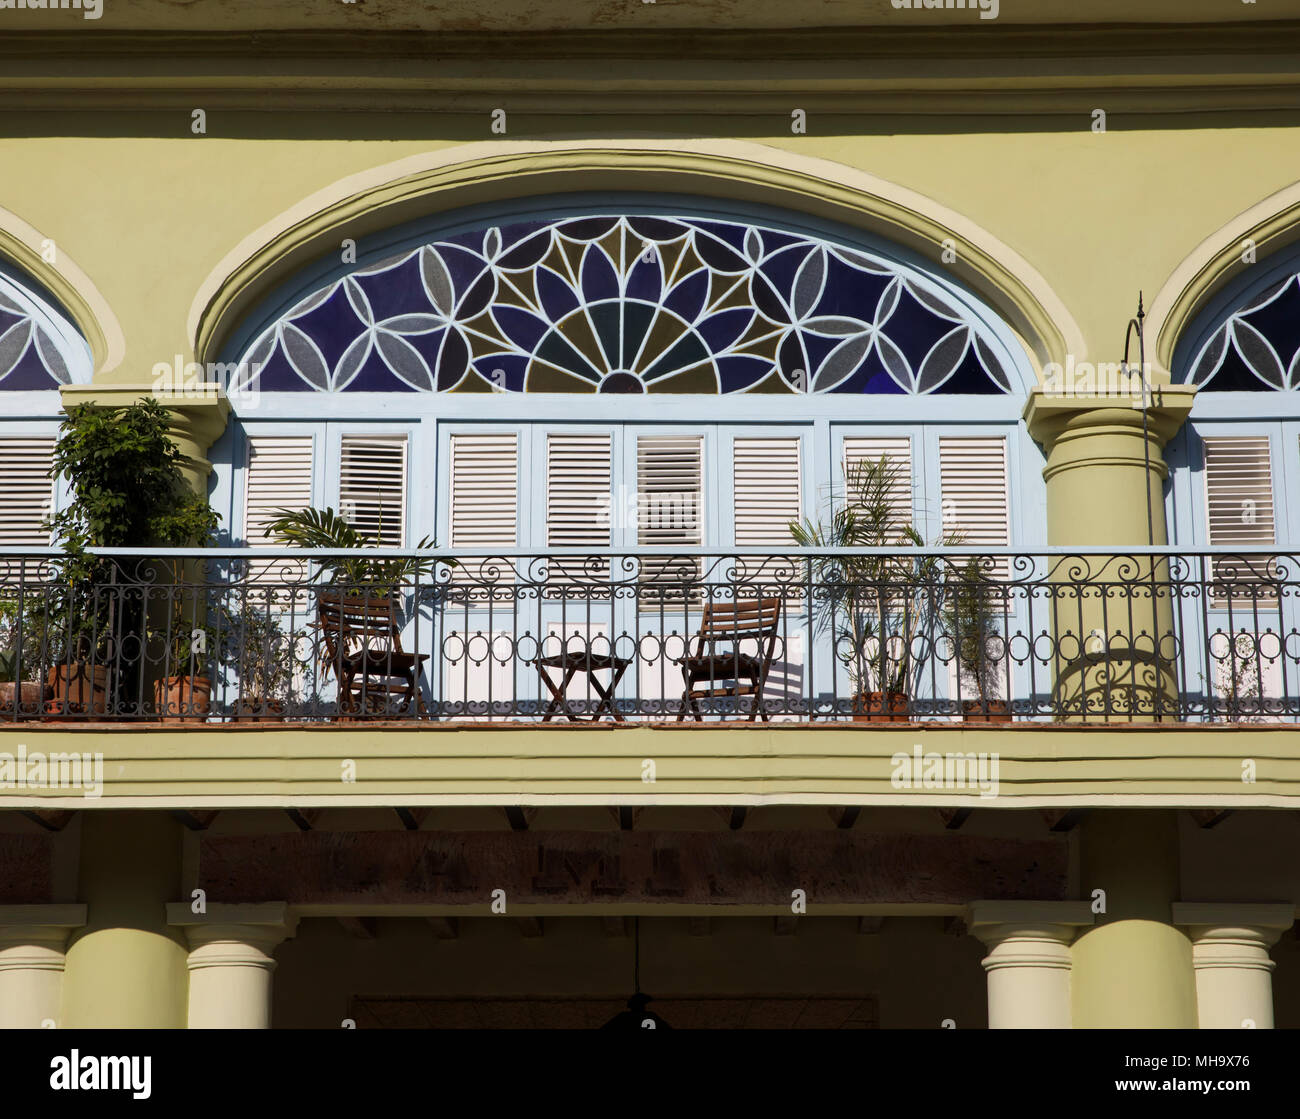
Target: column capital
point(1053, 415)
point(995, 921)
point(35, 936)
point(1215, 928)
point(233, 934)
point(199, 412)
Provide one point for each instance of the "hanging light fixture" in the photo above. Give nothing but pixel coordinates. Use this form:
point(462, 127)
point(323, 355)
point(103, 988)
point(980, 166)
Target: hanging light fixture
point(637, 1016)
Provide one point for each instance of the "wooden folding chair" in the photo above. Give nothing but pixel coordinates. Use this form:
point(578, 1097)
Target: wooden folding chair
point(363, 645)
point(718, 661)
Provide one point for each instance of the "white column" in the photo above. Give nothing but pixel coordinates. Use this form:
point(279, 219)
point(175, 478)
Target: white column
point(1028, 964)
point(33, 939)
point(1234, 974)
point(231, 962)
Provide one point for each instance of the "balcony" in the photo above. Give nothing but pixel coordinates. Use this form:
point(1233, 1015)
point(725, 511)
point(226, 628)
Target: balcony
point(869, 637)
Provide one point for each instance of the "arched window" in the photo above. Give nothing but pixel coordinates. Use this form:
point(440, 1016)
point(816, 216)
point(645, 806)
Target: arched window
point(40, 350)
point(516, 336)
point(1235, 474)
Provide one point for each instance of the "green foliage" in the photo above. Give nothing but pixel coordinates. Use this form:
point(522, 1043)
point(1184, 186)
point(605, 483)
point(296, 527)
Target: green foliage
point(324, 528)
point(876, 605)
point(970, 619)
point(262, 651)
point(127, 490)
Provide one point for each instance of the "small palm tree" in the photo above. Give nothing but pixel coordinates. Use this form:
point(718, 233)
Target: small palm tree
point(326, 529)
point(875, 606)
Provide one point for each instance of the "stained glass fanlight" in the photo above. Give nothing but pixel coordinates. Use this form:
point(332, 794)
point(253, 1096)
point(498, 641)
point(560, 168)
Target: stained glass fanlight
point(630, 303)
point(39, 346)
point(1257, 347)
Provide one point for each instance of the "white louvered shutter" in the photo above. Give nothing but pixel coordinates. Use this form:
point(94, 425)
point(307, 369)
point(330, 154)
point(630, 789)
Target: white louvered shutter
point(768, 491)
point(484, 495)
point(669, 492)
point(973, 493)
point(372, 487)
point(897, 451)
point(1239, 507)
point(26, 490)
point(579, 473)
point(278, 475)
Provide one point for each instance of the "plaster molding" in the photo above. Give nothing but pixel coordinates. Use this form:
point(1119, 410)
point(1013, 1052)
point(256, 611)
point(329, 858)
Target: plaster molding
point(20, 243)
point(486, 172)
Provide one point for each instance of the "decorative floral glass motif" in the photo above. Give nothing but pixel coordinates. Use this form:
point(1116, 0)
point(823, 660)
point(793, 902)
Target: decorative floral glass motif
point(39, 348)
point(1258, 347)
point(630, 304)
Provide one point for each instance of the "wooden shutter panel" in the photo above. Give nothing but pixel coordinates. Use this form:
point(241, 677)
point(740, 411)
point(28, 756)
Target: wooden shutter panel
point(484, 497)
point(1239, 514)
point(578, 478)
point(1239, 491)
point(278, 475)
point(669, 484)
point(973, 493)
point(26, 490)
point(372, 486)
point(897, 450)
point(768, 491)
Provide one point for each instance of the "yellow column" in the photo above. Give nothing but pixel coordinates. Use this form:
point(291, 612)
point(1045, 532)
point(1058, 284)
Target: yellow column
point(1028, 964)
point(1112, 616)
point(126, 968)
point(32, 941)
point(1133, 969)
point(1234, 973)
point(230, 962)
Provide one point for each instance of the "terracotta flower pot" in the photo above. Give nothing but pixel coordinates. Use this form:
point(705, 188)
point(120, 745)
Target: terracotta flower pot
point(76, 690)
point(993, 711)
point(30, 696)
point(259, 711)
point(182, 699)
point(881, 707)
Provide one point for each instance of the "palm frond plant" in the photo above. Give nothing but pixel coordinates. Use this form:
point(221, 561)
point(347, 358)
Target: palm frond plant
point(970, 621)
point(875, 607)
point(360, 575)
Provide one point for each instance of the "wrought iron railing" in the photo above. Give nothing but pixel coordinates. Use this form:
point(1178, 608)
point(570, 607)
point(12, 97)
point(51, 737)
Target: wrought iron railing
point(857, 635)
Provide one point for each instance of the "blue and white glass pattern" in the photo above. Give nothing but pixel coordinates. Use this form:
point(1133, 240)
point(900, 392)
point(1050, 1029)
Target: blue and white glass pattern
point(630, 304)
point(39, 347)
point(1257, 348)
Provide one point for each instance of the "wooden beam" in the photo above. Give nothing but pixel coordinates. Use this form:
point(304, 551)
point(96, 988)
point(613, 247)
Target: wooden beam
point(517, 816)
point(1209, 817)
point(785, 925)
point(700, 926)
point(1063, 819)
point(363, 928)
point(848, 816)
point(444, 928)
point(51, 819)
point(304, 818)
point(530, 926)
point(869, 926)
point(953, 818)
point(195, 820)
point(737, 820)
point(615, 926)
point(626, 817)
point(411, 818)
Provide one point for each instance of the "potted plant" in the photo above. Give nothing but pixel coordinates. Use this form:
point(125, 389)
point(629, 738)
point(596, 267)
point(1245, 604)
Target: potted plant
point(184, 693)
point(376, 578)
point(127, 490)
point(19, 697)
point(970, 622)
point(262, 653)
point(874, 606)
